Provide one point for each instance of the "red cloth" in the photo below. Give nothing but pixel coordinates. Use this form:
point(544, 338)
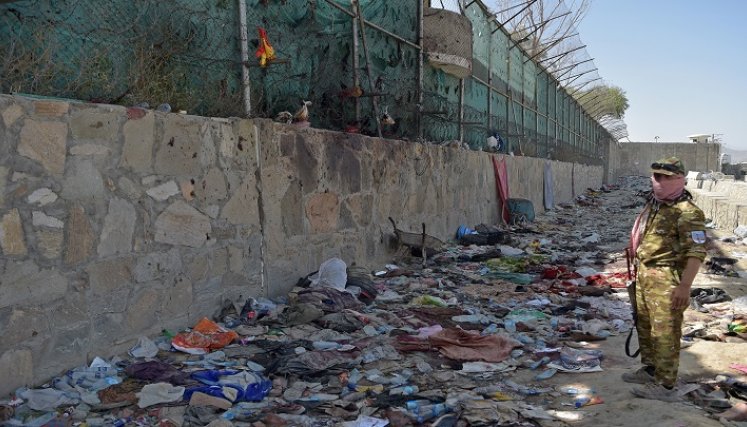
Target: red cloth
point(613, 280)
point(553, 272)
point(501, 183)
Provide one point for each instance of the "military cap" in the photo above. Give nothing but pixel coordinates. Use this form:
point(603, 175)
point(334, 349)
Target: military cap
point(668, 166)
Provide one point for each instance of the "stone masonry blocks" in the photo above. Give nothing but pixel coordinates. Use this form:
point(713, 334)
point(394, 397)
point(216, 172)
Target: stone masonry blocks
point(12, 240)
point(44, 142)
point(51, 108)
point(24, 283)
point(80, 236)
point(323, 212)
point(83, 181)
point(181, 224)
point(11, 114)
point(16, 368)
point(95, 124)
point(242, 207)
point(22, 324)
point(119, 226)
point(179, 150)
point(102, 244)
point(139, 138)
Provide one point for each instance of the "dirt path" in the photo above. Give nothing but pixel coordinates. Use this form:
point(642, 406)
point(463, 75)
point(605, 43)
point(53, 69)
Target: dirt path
point(703, 360)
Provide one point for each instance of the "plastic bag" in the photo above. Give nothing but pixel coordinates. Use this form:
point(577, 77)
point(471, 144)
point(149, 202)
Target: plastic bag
point(232, 385)
point(572, 358)
point(145, 348)
point(332, 273)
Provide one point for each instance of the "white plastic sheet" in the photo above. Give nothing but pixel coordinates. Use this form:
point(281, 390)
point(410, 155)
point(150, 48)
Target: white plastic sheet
point(332, 273)
point(153, 394)
point(47, 399)
point(364, 421)
point(145, 348)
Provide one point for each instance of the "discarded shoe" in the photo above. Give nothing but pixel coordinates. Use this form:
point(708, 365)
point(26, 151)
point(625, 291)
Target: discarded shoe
point(656, 392)
point(641, 376)
point(702, 296)
point(712, 404)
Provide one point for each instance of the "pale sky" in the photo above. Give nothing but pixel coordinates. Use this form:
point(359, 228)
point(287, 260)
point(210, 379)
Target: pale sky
point(681, 63)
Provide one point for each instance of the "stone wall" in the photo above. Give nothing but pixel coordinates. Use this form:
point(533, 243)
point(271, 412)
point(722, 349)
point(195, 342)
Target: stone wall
point(117, 223)
point(635, 158)
point(330, 194)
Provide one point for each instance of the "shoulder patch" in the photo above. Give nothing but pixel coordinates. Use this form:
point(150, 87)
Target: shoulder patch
point(698, 236)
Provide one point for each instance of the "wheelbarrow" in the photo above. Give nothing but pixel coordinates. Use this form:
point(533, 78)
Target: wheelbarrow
point(426, 244)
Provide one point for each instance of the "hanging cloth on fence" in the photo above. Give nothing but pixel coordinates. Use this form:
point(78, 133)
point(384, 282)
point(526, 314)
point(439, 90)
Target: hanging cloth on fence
point(265, 51)
point(549, 187)
point(501, 184)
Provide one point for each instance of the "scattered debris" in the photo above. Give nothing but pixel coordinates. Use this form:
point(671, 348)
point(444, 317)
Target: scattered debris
point(438, 338)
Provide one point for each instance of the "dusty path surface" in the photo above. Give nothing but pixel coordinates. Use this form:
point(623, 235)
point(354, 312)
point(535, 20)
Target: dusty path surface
point(700, 362)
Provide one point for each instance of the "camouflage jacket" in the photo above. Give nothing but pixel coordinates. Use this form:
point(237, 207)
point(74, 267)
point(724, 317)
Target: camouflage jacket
point(673, 232)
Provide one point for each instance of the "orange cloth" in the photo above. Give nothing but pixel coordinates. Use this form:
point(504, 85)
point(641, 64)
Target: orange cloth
point(204, 337)
point(265, 52)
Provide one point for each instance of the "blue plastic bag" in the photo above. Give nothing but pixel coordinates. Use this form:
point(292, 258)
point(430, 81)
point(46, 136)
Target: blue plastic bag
point(251, 386)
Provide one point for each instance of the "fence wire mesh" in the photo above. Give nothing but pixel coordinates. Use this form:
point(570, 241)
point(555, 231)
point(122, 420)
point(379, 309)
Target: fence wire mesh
point(187, 53)
point(124, 52)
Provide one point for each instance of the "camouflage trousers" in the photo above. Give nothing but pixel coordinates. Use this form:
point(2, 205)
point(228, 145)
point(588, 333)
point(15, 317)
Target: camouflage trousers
point(659, 327)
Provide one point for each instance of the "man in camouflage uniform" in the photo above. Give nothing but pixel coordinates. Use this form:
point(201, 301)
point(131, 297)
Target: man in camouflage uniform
point(668, 240)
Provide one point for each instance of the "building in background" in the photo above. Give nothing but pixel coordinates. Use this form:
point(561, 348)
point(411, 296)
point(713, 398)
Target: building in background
point(701, 138)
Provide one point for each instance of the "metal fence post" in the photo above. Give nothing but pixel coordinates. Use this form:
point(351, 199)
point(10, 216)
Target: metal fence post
point(421, 24)
point(244, 40)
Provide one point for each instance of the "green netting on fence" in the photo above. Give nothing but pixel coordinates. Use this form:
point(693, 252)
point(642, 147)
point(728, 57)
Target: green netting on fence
point(180, 52)
point(187, 53)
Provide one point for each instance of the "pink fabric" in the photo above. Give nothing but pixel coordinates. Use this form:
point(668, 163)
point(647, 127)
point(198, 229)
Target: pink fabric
point(458, 344)
point(501, 182)
point(668, 190)
point(637, 231)
point(665, 190)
